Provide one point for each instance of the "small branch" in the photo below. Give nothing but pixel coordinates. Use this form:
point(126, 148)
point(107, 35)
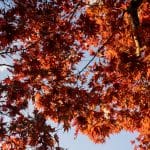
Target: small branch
point(7, 65)
point(74, 11)
point(95, 54)
point(18, 50)
point(7, 52)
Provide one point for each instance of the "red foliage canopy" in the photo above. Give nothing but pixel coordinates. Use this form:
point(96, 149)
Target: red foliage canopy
point(47, 42)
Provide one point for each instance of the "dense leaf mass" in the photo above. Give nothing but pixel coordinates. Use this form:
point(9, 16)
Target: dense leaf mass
point(47, 42)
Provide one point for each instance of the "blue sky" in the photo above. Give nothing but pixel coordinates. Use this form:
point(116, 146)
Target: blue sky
point(115, 142)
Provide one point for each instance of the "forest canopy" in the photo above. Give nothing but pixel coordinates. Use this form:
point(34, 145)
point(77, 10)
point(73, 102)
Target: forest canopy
point(77, 63)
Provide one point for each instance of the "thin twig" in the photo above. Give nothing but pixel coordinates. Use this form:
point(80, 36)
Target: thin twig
point(6, 65)
point(19, 50)
point(95, 55)
point(8, 52)
point(74, 11)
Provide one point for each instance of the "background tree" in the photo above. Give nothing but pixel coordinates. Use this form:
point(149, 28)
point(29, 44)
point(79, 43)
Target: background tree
point(49, 39)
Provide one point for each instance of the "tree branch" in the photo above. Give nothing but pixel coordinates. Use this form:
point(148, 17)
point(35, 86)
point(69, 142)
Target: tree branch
point(108, 40)
point(7, 52)
point(7, 65)
point(133, 12)
point(74, 11)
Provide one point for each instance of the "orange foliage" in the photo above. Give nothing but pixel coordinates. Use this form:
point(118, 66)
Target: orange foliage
point(108, 93)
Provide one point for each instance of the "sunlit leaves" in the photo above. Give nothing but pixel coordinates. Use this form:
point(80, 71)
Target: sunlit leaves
point(108, 94)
